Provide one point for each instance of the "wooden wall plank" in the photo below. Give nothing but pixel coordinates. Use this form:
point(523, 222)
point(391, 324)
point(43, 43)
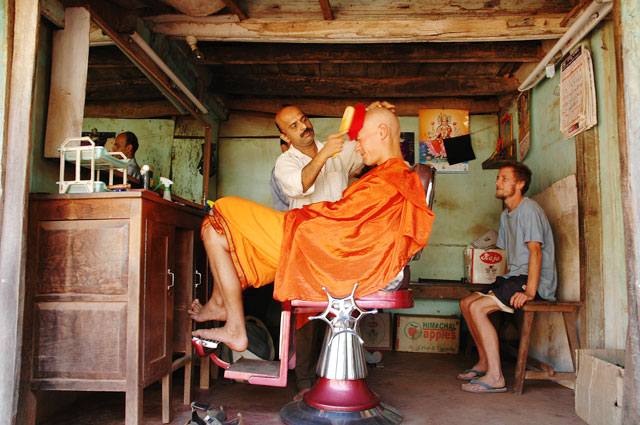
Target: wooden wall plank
point(15, 167)
point(626, 33)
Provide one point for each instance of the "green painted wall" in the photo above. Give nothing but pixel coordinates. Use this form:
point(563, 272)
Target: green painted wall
point(465, 205)
point(551, 159)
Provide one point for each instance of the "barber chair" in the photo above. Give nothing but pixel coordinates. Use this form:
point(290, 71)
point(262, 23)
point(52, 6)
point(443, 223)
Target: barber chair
point(341, 394)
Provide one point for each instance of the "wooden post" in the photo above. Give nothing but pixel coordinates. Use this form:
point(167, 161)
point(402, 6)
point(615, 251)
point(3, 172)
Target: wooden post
point(627, 34)
point(69, 68)
point(590, 239)
point(19, 74)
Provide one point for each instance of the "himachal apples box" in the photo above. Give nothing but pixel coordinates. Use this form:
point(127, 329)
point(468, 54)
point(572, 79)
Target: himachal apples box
point(427, 334)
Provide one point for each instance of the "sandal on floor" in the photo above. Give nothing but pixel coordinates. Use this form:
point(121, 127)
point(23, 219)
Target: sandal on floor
point(487, 388)
point(213, 416)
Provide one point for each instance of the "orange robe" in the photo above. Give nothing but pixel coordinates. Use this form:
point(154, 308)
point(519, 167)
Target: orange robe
point(367, 237)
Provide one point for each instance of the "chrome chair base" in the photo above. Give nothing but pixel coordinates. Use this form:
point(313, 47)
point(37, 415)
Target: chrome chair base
point(300, 413)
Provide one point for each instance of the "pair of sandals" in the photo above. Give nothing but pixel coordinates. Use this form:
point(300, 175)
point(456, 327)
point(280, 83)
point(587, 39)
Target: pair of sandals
point(212, 417)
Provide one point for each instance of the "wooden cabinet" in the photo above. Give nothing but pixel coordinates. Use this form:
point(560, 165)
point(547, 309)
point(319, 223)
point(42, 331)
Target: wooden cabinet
point(110, 277)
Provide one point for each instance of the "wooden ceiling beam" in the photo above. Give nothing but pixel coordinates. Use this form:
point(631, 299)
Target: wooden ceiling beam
point(129, 109)
point(458, 28)
point(276, 53)
point(335, 108)
point(419, 86)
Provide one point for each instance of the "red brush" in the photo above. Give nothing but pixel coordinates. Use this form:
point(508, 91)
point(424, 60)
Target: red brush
point(352, 120)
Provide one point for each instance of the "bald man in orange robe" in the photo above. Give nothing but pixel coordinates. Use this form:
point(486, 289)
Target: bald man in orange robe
point(367, 237)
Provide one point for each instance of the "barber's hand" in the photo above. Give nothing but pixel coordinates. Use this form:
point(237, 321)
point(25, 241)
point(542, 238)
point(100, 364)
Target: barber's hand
point(334, 144)
point(383, 104)
point(519, 299)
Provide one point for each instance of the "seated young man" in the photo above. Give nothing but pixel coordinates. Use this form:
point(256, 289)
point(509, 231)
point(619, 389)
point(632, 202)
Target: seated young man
point(367, 237)
point(526, 235)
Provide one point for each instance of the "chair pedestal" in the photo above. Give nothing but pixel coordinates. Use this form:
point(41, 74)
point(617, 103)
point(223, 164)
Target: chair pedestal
point(341, 394)
point(340, 401)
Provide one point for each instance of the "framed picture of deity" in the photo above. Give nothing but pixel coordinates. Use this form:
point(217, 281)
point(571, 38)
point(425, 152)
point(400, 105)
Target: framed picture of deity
point(436, 125)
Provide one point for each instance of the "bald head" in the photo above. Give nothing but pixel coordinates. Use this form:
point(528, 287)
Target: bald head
point(379, 138)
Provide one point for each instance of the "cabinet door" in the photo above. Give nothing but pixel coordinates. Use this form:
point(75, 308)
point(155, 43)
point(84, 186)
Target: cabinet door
point(158, 298)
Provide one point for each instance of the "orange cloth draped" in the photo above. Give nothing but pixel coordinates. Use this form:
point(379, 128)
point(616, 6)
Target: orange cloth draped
point(367, 237)
point(254, 233)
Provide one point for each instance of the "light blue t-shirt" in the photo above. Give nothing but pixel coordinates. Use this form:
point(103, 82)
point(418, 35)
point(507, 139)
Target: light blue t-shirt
point(528, 223)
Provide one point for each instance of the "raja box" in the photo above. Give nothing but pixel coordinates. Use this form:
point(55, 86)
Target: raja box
point(484, 265)
point(427, 334)
point(376, 331)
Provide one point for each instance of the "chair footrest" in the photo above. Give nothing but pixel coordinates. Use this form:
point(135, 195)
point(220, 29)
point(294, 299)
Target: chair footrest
point(246, 368)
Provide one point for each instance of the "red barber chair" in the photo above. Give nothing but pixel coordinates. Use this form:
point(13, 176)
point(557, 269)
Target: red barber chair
point(341, 394)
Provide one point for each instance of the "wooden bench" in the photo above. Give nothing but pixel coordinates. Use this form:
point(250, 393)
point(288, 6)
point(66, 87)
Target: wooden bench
point(569, 310)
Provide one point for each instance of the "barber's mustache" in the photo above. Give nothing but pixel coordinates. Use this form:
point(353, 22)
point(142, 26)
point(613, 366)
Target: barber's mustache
point(307, 131)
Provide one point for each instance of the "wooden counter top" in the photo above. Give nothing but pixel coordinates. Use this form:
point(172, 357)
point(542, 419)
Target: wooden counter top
point(443, 289)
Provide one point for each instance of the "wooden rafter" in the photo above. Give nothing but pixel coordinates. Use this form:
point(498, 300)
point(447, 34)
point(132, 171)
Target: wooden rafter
point(332, 108)
point(350, 87)
point(573, 12)
point(326, 10)
point(273, 53)
point(235, 9)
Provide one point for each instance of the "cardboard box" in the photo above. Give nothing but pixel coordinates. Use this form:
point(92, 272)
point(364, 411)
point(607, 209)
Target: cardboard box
point(599, 386)
point(376, 331)
point(484, 265)
point(427, 334)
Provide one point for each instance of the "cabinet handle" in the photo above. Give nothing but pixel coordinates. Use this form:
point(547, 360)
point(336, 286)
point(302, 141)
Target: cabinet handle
point(173, 279)
point(199, 280)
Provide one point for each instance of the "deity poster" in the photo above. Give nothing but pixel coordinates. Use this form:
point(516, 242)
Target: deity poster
point(437, 125)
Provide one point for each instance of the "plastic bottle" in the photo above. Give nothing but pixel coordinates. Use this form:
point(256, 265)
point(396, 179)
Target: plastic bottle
point(166, 183)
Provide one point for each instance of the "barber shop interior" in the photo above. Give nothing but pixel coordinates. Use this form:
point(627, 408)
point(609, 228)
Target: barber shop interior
point(320, 212)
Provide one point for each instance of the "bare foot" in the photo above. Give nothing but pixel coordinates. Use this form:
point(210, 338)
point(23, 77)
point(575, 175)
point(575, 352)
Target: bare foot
point(201, 313)
point(234, 339)
point(301, 394)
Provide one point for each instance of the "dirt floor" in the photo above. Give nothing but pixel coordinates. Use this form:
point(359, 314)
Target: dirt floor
point(421, 386)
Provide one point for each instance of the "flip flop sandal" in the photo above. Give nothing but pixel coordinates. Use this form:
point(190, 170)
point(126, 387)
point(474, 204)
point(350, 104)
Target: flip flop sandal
point(204, 347)
point(488, 388)
point(477, 372)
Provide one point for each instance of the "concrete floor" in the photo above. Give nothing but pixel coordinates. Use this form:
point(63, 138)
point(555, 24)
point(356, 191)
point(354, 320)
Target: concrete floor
point(421, 386)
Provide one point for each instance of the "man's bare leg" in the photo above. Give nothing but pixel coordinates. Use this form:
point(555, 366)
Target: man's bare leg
point(481, 365)
point(480, 310)
point(233, 333)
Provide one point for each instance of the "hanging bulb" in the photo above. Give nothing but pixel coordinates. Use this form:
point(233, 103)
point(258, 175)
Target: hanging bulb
point(193, 44)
